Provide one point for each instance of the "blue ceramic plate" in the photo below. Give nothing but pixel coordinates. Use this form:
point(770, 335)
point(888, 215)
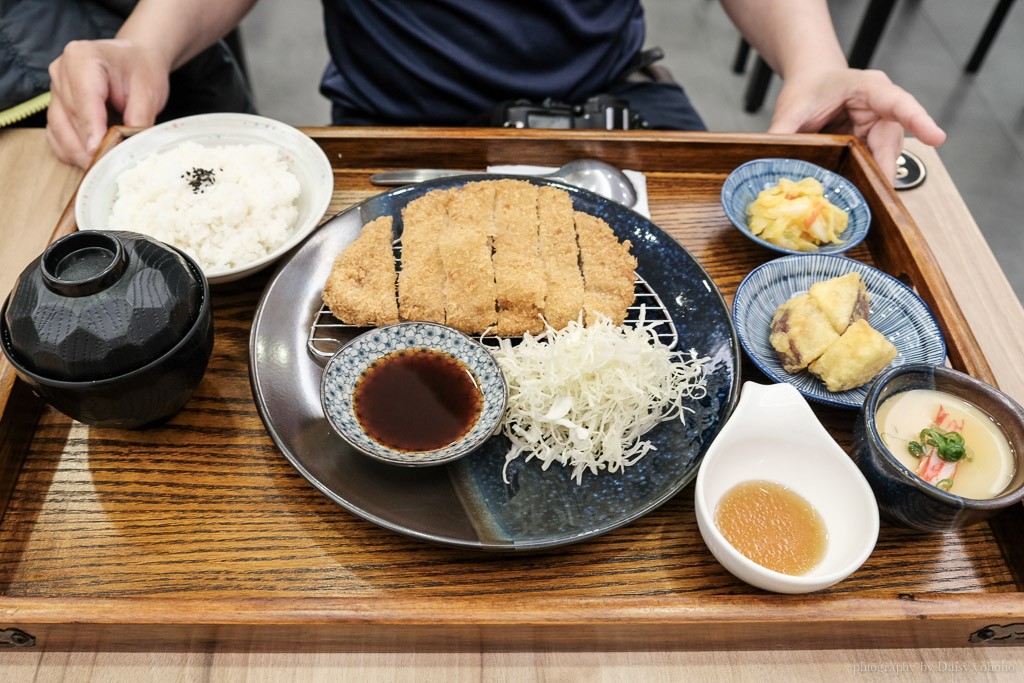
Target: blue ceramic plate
point(466, 504)
point(348, 365)
point(748, 180)
point(896, 311)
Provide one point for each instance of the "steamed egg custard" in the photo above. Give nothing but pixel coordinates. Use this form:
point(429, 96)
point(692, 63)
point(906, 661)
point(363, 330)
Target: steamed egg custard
point(948, 442)
point(773, 526)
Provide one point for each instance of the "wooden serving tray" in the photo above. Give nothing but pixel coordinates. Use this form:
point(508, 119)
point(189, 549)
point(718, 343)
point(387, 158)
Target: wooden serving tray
point(200, 535)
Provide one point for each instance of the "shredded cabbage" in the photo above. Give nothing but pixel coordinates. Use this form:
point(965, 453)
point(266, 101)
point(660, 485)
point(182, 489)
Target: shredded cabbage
point(584, 396)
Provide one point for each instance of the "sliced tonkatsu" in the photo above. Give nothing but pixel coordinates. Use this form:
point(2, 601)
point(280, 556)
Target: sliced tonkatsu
point(608, 270)
point(503, 257)
point(560, 254)
point(465, 243)
point(421, 283)
point(361, 287)
point(518, 267)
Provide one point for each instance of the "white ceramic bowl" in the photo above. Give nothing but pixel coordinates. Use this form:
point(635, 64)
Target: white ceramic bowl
point(774, 435)
point(95, 199)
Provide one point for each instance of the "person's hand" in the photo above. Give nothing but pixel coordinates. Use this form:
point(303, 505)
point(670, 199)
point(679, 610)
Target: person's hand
point(864, 103)
point(92, 75)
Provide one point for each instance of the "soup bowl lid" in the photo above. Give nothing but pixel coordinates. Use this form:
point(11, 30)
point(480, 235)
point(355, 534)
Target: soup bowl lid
point(98, 304)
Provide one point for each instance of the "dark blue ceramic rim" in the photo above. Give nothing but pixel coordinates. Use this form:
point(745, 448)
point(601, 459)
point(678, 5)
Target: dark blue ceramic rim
point(197, 326)
point(871, 404)
point(504, 517)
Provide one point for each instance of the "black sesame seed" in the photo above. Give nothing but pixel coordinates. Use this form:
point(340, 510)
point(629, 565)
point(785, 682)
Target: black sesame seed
point(199, 179)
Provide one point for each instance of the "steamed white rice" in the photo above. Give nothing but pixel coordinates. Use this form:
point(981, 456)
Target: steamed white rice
point(226, 206)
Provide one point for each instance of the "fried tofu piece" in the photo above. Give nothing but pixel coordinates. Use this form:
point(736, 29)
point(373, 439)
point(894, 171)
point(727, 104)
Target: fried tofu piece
point(560, 255)
point(361, 287)
point(855, 359)
point(518, 267)
point(800, 332)
point(842, 299)
point(421, 281)
point(465, 244)
point(608, 270)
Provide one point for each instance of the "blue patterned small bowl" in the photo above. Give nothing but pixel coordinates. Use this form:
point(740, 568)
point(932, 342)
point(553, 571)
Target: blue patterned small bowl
point(347, 366)
point(896, 311)
point(748, 180)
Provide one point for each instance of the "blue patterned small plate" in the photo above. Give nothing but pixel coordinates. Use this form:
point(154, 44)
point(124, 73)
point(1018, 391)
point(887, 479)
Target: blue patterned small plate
point(896, 311)
point(347, 366)
point(748, 180)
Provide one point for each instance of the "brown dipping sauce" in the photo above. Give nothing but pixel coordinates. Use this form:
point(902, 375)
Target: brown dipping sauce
point(417, 400)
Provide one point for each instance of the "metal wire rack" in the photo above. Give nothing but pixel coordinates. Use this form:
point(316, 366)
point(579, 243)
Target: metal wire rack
point(327, 334)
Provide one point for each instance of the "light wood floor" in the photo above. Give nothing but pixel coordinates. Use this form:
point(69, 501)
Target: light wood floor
point(924, 49)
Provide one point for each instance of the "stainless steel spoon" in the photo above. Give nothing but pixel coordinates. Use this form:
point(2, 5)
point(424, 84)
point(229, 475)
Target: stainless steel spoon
point(589, 174)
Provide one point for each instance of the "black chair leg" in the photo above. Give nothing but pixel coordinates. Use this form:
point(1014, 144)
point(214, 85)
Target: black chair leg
point(739, 62)
point(757, 88)
point(871, 27)
point(988, 35)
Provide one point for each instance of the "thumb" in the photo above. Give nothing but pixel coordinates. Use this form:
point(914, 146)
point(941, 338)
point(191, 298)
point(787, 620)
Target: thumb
point(145, 98)
point(783, 125)
point(788, 117)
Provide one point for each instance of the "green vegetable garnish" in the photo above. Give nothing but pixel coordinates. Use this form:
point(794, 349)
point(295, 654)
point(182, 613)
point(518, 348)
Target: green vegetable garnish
point(948, 445)
point(944, 484)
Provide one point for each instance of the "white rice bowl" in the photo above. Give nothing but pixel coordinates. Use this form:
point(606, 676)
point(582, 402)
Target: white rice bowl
point(224, 205)
point(268, 193)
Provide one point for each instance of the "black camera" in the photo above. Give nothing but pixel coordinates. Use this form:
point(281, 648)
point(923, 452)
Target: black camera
point(601, 112)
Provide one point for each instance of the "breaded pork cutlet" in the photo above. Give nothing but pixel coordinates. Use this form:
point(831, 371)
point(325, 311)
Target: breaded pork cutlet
point(608, 270)
point(361, 287)
point(422, 279)
point(465, 244)
point(564, 299)
point(518, 268)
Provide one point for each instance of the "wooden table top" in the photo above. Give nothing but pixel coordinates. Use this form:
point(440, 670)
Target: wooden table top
point(35, 190)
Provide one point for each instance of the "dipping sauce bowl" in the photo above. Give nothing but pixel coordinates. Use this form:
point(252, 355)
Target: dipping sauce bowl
point(904, 498)
point(774, 436)
point(414, 394)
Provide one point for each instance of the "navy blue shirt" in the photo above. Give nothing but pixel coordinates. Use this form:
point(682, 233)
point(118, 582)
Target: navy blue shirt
point(445, 62)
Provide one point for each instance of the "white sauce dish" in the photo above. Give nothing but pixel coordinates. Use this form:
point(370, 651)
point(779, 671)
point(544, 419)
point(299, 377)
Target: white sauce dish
point(774, 436)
